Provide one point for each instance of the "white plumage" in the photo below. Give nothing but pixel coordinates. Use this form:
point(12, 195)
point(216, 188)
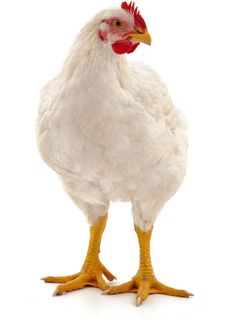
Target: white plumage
point(110, 130)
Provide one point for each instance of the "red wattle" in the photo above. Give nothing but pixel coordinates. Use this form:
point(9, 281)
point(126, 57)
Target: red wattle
point(133, 47)
point(126, 46)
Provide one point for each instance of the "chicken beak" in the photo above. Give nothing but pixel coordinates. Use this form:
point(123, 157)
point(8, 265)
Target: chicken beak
point(143, 37)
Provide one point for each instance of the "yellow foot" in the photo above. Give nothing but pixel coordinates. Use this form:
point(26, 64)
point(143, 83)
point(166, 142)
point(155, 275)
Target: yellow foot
point(144, 286)
point(87, 277)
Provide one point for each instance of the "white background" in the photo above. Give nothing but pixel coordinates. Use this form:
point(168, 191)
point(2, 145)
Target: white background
point(42, 232)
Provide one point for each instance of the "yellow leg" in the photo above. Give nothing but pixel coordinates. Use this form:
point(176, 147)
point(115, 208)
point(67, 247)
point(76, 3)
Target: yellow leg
point(92, 270)
point(145, 282)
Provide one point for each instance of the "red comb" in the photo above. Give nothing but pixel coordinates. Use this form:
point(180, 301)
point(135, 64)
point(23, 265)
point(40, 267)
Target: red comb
point(132, 9)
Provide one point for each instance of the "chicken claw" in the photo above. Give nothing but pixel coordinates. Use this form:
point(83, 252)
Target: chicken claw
point(145, 285)
point(82, 279)
point(92, 270)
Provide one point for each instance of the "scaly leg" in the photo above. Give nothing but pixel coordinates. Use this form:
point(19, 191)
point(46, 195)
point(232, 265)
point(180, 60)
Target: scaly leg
point(145, 282)
point(92, 270)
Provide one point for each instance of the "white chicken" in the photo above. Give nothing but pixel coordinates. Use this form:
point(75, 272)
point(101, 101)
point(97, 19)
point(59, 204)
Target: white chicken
point(111, 132)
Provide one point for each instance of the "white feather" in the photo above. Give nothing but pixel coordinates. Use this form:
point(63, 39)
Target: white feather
point(111, 131)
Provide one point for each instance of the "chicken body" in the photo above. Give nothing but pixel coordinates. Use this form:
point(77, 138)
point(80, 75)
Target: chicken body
point(110, 130)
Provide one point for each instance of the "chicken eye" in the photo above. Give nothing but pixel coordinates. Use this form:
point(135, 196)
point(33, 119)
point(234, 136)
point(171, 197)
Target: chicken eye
point(118, 23)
